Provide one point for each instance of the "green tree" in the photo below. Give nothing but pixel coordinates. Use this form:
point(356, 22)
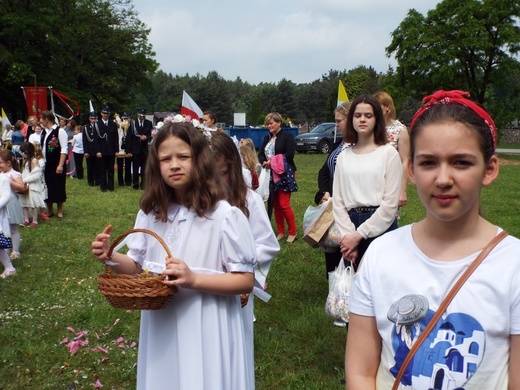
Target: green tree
point(88, 49)
point(361, 80)
point(213, 94)
point(241, 96)
point(458, 45)
point(288, 103)
point(312, 102)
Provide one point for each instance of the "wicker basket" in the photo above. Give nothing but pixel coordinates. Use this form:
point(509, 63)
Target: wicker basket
point(135, 292)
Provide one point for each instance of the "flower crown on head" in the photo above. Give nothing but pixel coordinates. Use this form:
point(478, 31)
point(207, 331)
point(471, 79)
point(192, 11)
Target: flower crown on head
point(194, 122)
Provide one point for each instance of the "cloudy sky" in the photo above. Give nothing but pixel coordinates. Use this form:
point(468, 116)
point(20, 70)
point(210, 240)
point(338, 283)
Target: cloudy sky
point(267, 40)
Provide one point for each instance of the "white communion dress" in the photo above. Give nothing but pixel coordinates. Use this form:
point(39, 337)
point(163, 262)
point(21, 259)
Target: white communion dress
point(197, 342)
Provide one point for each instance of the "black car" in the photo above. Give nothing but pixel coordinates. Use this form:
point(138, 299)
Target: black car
point(320, 139)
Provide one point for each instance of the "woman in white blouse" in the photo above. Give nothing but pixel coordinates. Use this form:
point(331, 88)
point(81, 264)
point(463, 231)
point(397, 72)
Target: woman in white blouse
point(367, 180)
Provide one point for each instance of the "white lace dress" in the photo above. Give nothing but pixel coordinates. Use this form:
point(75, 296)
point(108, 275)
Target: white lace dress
point(35, 196)
point(198, 341)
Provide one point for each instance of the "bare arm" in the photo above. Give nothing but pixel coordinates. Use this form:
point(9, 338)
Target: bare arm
point(17, 184)
point(514, 363)
point(231, 283)
point(363, 353)
point(125, 264)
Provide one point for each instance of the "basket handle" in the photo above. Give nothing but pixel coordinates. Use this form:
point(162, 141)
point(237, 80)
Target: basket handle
point(123, 235)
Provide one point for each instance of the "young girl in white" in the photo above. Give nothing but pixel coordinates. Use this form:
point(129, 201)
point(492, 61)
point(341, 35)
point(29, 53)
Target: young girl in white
point(9, 166)
point(406, 274)
point(31, 177)
point(38, 154)
point(367, 180)
point(5, 231)
point(229, 165)
point(197, 342)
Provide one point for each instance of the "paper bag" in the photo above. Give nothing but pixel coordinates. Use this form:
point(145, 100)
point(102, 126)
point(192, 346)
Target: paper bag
point(320, 226)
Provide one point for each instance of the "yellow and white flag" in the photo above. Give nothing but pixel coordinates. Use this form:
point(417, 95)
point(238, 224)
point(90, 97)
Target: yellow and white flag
point(342, 94)
point(5, 119)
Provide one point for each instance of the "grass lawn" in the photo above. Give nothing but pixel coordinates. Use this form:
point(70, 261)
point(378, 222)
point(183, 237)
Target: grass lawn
point(508, 146)
point(51, 308)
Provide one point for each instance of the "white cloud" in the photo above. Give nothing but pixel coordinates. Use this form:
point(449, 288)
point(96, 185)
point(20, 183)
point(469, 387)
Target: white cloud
point(267, 40)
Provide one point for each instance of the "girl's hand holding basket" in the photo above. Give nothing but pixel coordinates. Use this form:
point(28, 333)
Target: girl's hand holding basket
point(178, 273)
point(131, 288)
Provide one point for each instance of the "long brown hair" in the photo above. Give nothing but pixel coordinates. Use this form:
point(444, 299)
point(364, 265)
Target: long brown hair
point(351, 135)
point(224, 148)
point(28, 149)
point(205, 190)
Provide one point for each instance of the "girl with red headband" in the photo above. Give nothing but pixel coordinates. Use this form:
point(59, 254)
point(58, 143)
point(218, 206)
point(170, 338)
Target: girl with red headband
point(406, 274)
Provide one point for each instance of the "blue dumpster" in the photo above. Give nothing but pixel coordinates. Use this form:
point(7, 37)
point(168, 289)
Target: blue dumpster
point(257, 134)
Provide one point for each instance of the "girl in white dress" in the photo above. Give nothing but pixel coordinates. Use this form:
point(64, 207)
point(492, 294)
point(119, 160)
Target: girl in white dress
point(5, 231)
point(32, 177)
point(229, 165)
point(197, 342)
point(9, 165)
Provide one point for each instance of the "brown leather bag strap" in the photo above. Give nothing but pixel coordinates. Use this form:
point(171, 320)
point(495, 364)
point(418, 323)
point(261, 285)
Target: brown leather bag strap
point(444, 304)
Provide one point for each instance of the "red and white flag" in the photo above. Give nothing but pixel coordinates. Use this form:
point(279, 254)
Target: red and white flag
point(189, 107)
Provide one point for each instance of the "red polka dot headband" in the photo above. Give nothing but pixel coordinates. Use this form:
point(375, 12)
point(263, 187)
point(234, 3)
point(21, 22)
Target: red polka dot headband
point(456, 97)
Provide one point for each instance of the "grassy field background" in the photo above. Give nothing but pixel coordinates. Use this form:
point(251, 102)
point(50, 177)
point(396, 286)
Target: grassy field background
point(57, 331)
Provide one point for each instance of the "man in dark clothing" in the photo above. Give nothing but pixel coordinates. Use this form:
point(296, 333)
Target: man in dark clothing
point(137, 138)
point(108, 146)
point(90, 148)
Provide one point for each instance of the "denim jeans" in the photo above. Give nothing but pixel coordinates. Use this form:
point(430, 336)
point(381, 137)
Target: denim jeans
point(357, 219)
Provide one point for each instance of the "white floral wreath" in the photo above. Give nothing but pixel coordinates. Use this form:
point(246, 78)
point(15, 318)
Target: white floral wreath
point(187, 119)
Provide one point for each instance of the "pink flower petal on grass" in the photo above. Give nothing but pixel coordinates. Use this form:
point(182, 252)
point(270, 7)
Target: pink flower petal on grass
point(99, 349)
point(98, 384)
point(80, 334)
point(70, 329)
point(65, 340)
point(117, 321)
point(96, 334)
point(104, 359)
point(133, 345)
point(73, 346)
point(120, 340)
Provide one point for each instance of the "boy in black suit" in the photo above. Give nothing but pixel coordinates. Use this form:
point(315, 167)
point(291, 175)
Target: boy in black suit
point(108, 146)
point(137, 138)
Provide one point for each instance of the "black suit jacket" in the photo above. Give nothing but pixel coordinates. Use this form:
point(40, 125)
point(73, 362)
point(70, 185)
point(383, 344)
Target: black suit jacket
point(284, 144)
point(107, 138)
point(90, 146)
point(134, 144)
